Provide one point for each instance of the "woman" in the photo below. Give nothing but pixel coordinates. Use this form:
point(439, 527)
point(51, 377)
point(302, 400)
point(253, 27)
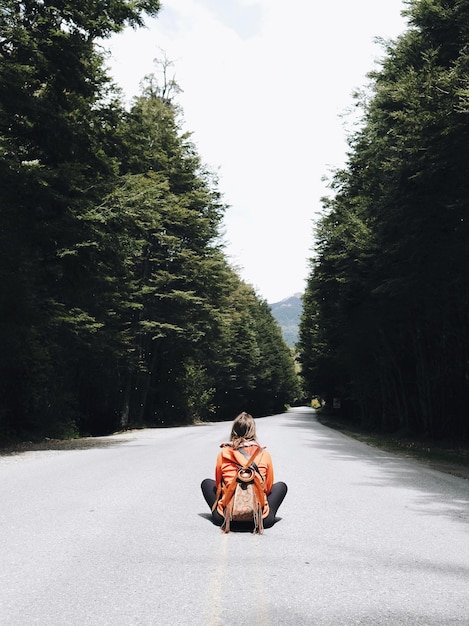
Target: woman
point(242, 446)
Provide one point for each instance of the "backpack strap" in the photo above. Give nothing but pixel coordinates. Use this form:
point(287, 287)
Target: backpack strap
point(258, 486)
point(217, 496)
point(232, 486)
point(250, 462)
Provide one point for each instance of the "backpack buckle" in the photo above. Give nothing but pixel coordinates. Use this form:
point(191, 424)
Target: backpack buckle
point(245, 475)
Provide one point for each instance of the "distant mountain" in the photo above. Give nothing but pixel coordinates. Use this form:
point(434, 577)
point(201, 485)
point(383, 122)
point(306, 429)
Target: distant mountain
point(287, 312)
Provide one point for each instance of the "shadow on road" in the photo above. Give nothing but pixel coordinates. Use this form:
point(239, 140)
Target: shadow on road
point(438, 492)
point(86, 443)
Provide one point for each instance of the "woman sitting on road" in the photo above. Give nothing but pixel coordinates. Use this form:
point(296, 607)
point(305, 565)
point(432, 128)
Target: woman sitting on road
point(243, 447)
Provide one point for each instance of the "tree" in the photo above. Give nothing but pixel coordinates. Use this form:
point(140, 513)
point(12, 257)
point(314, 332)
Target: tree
point(57, 118)
point(115, 289)
point(392, 314)
point(255, 367)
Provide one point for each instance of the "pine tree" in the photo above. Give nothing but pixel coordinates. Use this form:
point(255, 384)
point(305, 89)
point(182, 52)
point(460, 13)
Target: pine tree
point(392, 313)
point(56, 159)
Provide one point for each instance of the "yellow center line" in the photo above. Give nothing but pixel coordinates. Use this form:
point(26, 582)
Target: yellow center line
point(218, 584)
point(216, 587)
point(262, 598)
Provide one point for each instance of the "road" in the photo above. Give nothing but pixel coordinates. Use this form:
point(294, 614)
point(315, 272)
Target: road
point(116, 533)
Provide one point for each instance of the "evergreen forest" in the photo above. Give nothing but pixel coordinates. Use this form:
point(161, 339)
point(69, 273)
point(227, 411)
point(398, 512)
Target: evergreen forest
point(385, 326)
point(118, 306)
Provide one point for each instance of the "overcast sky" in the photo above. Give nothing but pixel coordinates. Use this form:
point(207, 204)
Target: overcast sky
point(265, 84)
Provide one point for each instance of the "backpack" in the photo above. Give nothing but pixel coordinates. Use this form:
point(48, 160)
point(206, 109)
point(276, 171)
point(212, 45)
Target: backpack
point(244, 497)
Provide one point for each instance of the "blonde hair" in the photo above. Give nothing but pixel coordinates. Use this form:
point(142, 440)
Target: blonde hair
point(243, 429)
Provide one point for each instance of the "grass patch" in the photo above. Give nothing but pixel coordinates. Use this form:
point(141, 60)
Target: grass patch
point(447, 456)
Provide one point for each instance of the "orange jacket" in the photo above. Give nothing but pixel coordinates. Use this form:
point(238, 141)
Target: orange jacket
point(226, 470)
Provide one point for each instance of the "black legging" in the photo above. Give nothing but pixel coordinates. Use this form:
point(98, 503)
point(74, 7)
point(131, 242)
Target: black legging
point(275, 499)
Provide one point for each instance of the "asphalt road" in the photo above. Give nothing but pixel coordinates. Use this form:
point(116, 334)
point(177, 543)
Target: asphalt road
point(117, 533)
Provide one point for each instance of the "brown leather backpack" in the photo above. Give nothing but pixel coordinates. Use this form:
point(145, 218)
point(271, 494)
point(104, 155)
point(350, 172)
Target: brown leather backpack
point(244, 496)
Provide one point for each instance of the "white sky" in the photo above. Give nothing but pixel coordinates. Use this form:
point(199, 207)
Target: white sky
point(264, 85)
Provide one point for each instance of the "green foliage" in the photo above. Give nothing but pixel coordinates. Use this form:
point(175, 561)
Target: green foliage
point(385, 324)
point(117, 305)
point(254, 363)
